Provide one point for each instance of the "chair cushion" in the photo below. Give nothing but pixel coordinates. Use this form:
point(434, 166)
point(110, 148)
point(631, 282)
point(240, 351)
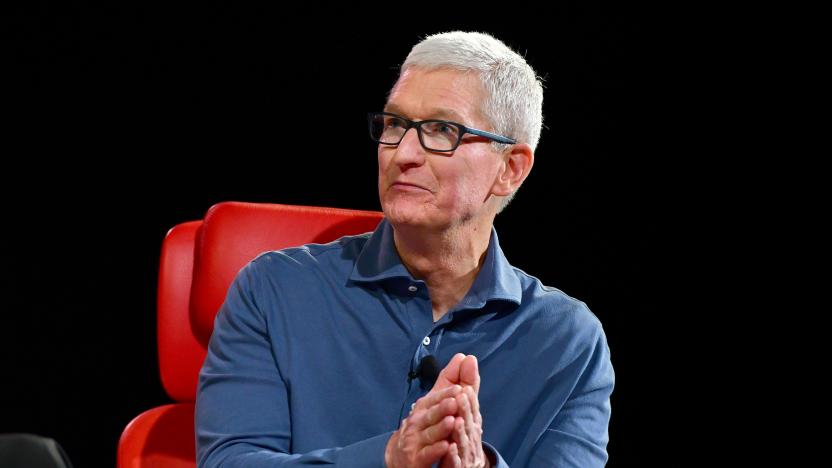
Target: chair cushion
point(233, 233)
point(180, 353)
point(162, 436)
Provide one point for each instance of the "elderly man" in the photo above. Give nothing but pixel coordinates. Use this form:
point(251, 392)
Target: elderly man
point(328, 354)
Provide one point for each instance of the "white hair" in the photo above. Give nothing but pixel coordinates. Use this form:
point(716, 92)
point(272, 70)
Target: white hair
point(514, 93)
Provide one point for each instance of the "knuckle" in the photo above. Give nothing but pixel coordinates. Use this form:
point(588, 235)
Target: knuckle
point(426, 436)
point(428, 416)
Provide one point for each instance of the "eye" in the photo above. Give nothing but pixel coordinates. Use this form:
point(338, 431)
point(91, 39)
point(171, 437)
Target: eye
point(445, 128)
point(392, 122)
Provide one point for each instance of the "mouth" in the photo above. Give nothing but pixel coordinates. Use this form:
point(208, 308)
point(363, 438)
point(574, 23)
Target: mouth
point(406, 186)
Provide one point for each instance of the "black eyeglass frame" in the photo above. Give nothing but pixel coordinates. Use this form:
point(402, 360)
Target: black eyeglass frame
point(418, 125)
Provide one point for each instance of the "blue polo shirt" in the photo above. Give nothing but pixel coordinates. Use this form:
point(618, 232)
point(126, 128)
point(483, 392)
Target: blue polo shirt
point(309, 359)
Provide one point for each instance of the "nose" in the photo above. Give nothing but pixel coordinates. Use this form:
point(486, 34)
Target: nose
point(409, 152)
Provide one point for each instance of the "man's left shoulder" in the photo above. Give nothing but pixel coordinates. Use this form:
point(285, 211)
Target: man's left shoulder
point(548, 305)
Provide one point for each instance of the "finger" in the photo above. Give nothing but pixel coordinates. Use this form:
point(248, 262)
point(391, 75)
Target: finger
point(429, 454)
point(423, 418)
point(469, 372)
point(451, 459)
point(453, 455)
point(447, 461)
point(450, 374)
point(437, 395)
point(472, 433)
point(461, 438)
point(467, 414)
point(475, 406)
point(437, 432)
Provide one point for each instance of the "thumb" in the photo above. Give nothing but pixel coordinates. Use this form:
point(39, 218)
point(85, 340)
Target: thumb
point(469, 372)
point(450, 374)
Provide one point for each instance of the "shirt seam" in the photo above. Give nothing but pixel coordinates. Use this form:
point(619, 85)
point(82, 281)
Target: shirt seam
point(292, 252)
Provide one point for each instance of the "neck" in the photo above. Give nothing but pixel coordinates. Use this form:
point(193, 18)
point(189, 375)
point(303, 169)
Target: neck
point(447, 260)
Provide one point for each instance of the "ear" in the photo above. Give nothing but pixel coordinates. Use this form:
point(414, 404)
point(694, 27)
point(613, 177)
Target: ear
point(516, 166)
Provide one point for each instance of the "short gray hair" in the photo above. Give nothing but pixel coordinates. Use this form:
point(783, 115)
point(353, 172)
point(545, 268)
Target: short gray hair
point(514, 93)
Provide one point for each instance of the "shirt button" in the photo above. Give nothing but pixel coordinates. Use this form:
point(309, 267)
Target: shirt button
point(426, 341)
point(412, 288)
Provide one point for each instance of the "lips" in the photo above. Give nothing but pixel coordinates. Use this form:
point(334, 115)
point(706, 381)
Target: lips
point(407, 184)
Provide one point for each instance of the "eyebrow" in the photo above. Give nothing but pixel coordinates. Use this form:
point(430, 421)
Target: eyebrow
point(436, 113)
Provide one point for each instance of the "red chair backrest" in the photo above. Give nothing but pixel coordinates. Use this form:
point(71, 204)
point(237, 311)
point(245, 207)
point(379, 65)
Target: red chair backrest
point(200, 259)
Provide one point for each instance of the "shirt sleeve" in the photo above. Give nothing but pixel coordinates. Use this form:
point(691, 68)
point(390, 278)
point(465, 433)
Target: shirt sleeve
point(578, 435)
point(242, 410)
point(496, 456)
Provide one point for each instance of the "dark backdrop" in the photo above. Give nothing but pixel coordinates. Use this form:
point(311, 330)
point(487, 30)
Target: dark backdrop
point(124, 122)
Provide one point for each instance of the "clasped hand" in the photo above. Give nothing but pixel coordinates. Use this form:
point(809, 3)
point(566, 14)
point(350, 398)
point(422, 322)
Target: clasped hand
point(445, 424)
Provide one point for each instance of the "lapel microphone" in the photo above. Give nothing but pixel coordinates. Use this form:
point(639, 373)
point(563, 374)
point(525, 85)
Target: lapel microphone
point(427, 371)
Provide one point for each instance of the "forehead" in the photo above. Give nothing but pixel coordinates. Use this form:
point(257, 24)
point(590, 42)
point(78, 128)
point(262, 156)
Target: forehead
point(437, 94)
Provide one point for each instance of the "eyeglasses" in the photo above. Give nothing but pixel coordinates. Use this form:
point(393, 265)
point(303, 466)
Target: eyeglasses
point(434, 135)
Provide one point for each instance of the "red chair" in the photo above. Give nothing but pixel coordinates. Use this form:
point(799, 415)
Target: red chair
point(199, 261)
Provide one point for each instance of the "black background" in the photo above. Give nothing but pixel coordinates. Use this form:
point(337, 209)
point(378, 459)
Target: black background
point(124, 121)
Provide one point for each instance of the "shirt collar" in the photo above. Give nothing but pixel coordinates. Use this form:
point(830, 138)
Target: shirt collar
point(496, 280)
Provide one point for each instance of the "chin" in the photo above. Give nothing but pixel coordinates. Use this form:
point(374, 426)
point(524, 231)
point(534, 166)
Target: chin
point(404, 214)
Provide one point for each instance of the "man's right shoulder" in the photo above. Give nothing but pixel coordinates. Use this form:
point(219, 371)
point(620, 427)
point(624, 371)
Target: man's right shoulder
point(336, 256)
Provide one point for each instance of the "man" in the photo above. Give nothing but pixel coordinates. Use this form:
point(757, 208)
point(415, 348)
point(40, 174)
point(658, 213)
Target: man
point(322, 354)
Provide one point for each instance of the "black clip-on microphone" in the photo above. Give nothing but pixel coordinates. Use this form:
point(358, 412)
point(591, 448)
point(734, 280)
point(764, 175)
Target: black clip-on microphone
point(427, 371)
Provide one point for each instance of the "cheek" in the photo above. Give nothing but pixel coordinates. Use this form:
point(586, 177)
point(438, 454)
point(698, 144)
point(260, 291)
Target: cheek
point(470, 191)
point(458, 192)
point(382, 167)
point(384, 157)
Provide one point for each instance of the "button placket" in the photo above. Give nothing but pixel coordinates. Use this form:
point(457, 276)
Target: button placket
point(421, 308)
